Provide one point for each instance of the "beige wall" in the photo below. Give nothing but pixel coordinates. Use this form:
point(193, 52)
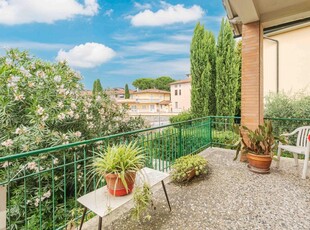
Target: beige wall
point(151, 96)
point(184, 100)
point(294, 61)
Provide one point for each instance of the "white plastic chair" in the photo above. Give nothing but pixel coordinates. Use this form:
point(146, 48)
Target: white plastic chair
point(302, 147)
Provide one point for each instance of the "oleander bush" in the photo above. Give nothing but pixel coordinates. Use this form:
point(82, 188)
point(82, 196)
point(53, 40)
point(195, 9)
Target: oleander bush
point(44, 104)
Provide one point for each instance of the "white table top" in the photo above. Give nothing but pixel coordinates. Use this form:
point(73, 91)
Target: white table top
point(102, 202)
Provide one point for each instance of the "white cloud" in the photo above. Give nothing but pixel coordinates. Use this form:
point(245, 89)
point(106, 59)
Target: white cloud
point(13, 12)
point(87, 55)
point(140, 6)
point(163, 47)
point(153, 68)
point(181, 37)
point(169, 14)
point(34, 45)
point(108, 12)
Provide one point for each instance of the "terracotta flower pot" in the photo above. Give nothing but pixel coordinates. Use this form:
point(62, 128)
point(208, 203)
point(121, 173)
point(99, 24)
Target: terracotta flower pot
point(115, 185)
point(259, 163)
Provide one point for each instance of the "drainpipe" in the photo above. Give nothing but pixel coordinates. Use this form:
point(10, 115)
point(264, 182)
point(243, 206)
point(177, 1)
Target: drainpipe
point(277, 42)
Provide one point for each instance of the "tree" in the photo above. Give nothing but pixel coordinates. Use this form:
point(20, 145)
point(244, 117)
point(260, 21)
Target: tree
point(163, 82)
point(211, 51)
point(238, 63)
point(200, 71)
point(97, 87)
point(127, 94)
point(226, 72)
point(144, 83)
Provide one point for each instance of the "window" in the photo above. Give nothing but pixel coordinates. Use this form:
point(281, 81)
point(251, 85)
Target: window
point(176, 92)
point(175, 86)
point(180, 86)
point(143, 106)
point(176, 105)
point(179, 92)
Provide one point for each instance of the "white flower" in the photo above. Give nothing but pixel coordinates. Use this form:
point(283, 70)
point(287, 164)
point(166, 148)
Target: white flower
point(7, 143)
point(60, 104)
point(45, 117)
point(20, 130)
point(61, 91)
point(41, 74)
point(78, 134)
point(15, 79)
point(76, 116)
point(47, 194)
point(32, 165)
point(55, 161)
point(8, 61)
point(40, 110)
point(70, 113)
point(98, 98)
point(19, 97)
point(6, 164)
point(91, 125)
point(61, 116)
point(65, 137)
point(73, 105)
point(89, 117)
point(36, 203)
point(57, 78)
point(30, 84)
point(11, 84)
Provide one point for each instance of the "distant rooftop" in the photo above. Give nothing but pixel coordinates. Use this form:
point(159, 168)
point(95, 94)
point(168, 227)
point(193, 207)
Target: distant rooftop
point(151, 91)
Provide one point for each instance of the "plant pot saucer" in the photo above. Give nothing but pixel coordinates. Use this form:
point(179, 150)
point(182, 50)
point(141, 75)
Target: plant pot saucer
point(257, 170)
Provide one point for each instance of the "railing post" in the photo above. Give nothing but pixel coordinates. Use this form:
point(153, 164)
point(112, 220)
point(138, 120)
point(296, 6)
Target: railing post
point(180, 140)
point(210, 131)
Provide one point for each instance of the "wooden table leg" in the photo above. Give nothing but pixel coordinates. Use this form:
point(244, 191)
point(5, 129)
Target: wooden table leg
point(100, 223)
point(163, 184)
point(83, 217)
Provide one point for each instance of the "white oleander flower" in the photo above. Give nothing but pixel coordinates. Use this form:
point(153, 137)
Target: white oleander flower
point(57, 78)
point(40, 110)
point(7, 143)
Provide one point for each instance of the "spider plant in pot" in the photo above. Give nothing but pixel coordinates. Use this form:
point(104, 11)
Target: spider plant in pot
point(118, 164)
point(258, 145)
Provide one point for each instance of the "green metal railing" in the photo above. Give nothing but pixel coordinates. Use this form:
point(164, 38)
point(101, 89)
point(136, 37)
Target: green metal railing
point(43, 185)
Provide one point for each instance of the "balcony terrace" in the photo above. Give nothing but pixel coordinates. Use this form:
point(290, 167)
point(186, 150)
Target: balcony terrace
point(42, 186)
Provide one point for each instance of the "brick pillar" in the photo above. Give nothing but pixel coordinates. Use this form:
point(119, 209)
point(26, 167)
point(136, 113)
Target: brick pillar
point(252, 112)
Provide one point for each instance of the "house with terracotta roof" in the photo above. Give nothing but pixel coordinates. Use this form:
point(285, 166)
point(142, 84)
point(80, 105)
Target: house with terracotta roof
point(148, 101)
point(181, 95)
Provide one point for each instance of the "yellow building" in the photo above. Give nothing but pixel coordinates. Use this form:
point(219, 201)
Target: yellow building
point(148, 101)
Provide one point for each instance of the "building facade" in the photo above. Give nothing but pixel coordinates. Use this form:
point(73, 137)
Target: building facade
point(180, 95)
point(286, 60)
point(148, 101)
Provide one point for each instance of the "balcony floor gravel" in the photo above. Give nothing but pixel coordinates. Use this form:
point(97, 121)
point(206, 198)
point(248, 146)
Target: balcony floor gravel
point(230, 197)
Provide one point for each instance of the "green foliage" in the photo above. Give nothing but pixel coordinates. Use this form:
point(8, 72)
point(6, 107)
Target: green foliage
point(261, 141)
point(119, 159)
point(201, 70)
point(285, 106)
point(226, 72)
point(144, 83)
point(161, 83)
point(142, 198)
point(127, 94)
point(238, 56)
point(224, 139)
point(97, 87)
point(183, 116)
point(183, 166)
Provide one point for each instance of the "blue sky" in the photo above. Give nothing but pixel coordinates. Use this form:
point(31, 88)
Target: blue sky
point(116, 41)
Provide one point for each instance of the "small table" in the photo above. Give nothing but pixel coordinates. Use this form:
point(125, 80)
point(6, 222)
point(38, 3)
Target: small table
point(102, 203)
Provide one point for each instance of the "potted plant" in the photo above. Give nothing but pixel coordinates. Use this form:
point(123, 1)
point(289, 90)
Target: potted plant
point(118, 164)
point(258, 145)
point(186, 167)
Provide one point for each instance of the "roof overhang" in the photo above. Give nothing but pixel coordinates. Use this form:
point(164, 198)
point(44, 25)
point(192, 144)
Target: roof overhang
point(271, 13)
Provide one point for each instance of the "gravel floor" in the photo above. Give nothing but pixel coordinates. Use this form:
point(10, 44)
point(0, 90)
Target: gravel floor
point(231, 197)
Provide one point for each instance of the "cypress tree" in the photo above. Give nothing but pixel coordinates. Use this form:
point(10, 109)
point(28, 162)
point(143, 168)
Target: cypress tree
point(226, 72)
point(238, 63)
point(127, 94)
point(211, 51)
point(97, 87)
point(200, 72)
